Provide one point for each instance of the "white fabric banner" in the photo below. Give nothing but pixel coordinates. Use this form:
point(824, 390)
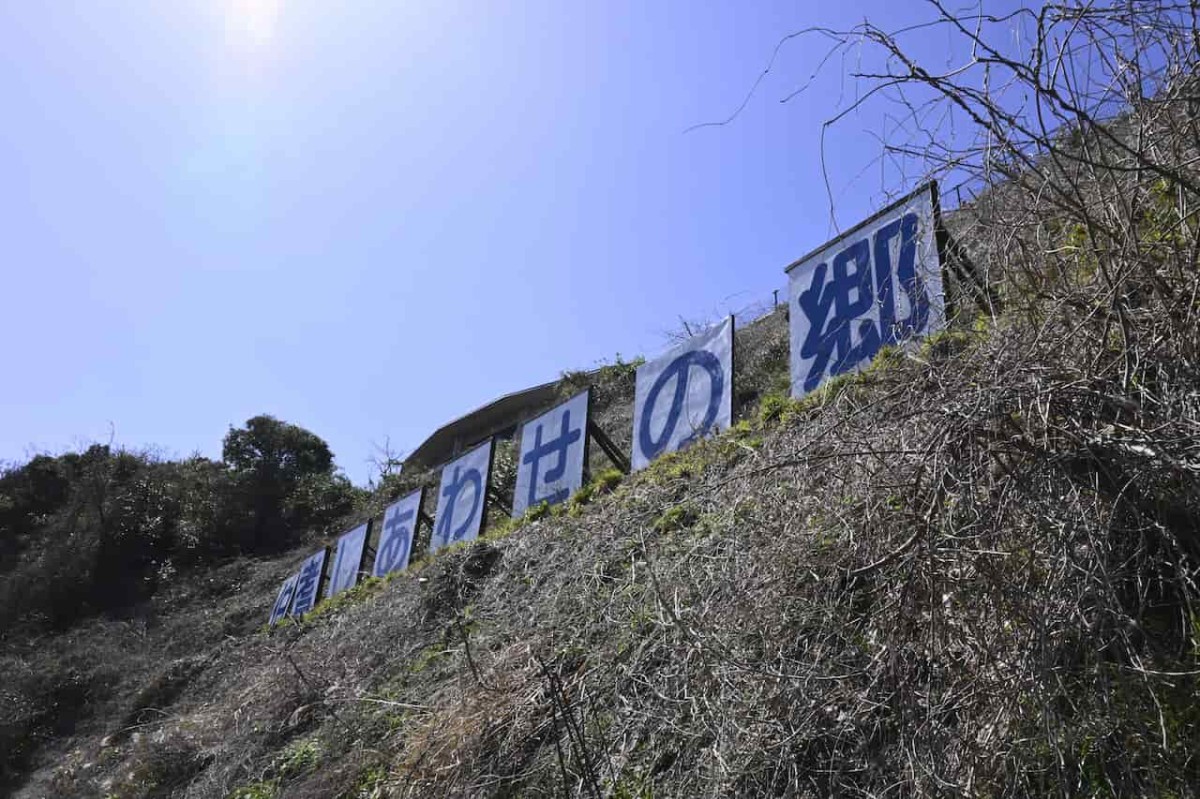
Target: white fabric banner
point(462, 498)
point(683, 395)
point(550, 466)
point(395, 542)
point(308, 583)
point(347, 561)
point(875, 285)
point(283, 602)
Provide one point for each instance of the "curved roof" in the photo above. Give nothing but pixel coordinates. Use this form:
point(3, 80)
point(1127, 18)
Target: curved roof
point(501, 415)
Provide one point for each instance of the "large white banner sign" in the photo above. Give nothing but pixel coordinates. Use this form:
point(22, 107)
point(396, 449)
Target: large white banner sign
point(395, 542)
point(875, 285)
point(347, 562)
point(462, 498)
point(684, 395)
point(308, 583)
point(553, 449)
point(283, 602)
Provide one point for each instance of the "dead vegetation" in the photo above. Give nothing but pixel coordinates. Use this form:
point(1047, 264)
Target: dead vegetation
point(969, 570)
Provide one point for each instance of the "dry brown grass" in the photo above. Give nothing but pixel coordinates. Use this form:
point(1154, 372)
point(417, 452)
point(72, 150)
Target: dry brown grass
point(970, 570)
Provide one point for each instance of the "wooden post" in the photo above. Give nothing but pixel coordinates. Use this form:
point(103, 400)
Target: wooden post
point(611, 451)
point(495, 497)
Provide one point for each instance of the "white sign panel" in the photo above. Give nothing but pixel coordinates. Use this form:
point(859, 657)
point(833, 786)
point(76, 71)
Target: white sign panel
point(283, 602)
point(875, 285)
point(462, 498)
point(553, 447)
point(308, 583)
point(395, 542)
point(684, 395)
point(348, 560)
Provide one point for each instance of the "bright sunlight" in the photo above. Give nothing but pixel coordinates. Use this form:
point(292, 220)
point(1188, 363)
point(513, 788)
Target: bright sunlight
point(250, 24)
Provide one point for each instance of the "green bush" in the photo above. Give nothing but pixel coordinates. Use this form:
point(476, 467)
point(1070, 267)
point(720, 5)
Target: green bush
point(284, 481)
point(98, 530)
point(604, 483)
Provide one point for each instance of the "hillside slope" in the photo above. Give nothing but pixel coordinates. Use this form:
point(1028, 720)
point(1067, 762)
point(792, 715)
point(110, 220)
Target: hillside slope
point(971, 569)
point(924, 575)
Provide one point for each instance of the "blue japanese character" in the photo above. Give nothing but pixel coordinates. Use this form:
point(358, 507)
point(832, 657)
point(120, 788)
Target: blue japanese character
point(848, 294)
point(306, 587)
point(458, 482)
point(533, 459)
point(680, 369)
point(906, 275)
point(851, 292)
point(910, 280)
point(283, 602)
point(397, 537)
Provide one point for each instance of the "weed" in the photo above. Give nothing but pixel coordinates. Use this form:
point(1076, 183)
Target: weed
point(607, 481)
point(351, 596)
point(609, 374)
point(370, 784)
point(673, 466)
point(772, 407)
point(675, 518)
point(637, 788)
point(604, 483)
point(268, 789)
point(945, 343)
point(300, 757)
point(427, 658)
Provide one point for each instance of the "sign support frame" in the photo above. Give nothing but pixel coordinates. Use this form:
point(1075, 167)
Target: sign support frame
point(362, 558)
point(607, 446)
point(494, 496)
point(958, 264)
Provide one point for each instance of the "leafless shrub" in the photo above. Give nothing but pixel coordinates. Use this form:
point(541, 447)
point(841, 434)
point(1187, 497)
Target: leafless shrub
point(974, 569)
point(971, 570)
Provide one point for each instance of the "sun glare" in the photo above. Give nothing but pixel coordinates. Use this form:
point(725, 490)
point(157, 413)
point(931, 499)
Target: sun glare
point(250, 24)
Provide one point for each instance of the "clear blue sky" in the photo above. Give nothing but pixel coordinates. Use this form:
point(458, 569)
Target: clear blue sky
point(369, 218)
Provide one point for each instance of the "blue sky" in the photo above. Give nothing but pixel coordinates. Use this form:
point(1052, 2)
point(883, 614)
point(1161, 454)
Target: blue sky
point(369, 218)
